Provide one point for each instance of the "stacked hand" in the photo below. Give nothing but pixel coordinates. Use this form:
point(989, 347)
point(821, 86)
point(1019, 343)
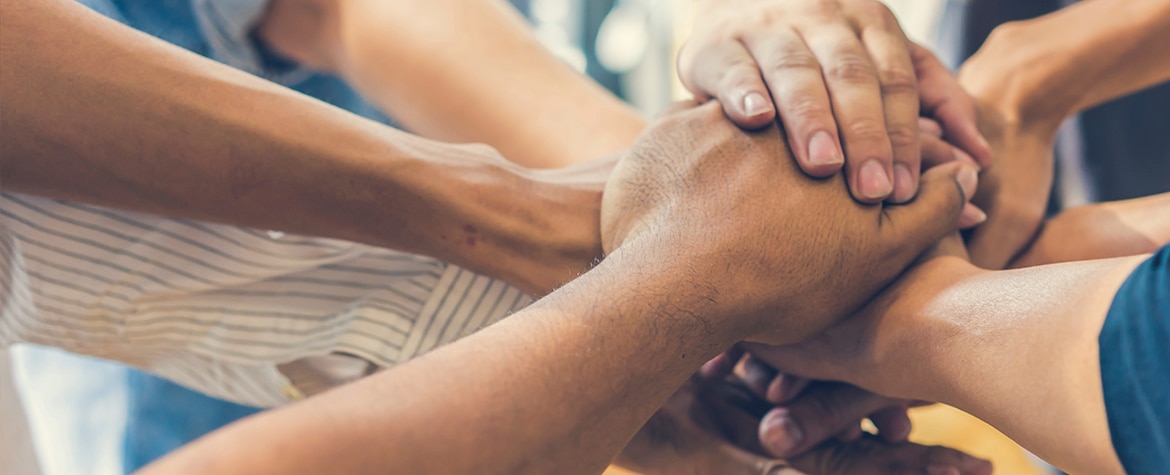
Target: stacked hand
point(709, 428)
point(840, 76)
point(780, 256)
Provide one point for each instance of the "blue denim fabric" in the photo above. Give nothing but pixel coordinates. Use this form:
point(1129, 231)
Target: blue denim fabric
point(162, 416)
point(1135, 368)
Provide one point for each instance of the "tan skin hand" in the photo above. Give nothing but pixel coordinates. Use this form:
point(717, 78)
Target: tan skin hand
point(763, 219)
point(708, 428)
point(840, 76)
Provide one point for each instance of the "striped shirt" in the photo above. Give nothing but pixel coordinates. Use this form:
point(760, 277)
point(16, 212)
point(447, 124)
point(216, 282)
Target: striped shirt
point(241, 314)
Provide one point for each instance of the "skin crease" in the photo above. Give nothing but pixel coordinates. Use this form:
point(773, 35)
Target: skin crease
point(572, 397)
point(1027, 78)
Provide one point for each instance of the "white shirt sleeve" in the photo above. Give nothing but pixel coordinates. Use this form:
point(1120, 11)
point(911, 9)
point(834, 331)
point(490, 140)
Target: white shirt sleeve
point(218, 308)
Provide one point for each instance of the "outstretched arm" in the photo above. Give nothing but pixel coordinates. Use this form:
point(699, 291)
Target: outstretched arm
point(98, 113)
point(459, 71)
point(1016, 348)
point(562, 386)
point(1098, 231)
point(1028, 78)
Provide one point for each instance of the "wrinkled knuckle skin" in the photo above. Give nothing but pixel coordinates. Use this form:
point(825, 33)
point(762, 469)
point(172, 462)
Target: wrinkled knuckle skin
point(807, 111)
point(903, 137)
point(852, 69)
point(896, 80)
point(784, 61)
point(870, 132)
point(738, 77)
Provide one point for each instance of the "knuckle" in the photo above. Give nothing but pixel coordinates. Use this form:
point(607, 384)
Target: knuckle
point(874, 11)
point(804, 110)
point(852, 68)
point(898, 80)
point(902, 137)
point(786, 59)
point(738, 75)
point(870, 130)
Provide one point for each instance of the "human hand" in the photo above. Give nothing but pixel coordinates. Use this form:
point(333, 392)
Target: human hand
point(876, 348)
point(834, 71)
point(763, 250)
point(564, 240)
point(807, 413)
point(1014, 190)
point(709, 427)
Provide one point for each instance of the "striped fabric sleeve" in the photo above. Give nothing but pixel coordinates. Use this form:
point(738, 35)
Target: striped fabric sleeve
point(217, 308)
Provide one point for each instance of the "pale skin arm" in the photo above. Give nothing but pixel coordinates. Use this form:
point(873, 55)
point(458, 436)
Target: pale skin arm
point(1028, 78)
point(1015, 348)
point(459, 71)
point(1114, 229)
point(98, 113)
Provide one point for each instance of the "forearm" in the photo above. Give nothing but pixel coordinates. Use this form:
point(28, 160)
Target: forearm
point(557, 388)
point(1114, 229)
point(1015, 348)
point(95, 112)
point(460, 71)
point(1086, 54)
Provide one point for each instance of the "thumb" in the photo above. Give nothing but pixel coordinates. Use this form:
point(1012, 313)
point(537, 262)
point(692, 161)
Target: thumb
point(913, 227)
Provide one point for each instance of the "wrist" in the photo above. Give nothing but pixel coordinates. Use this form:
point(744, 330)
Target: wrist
point(1013, 77)
point(499, 219)
point(909, 339)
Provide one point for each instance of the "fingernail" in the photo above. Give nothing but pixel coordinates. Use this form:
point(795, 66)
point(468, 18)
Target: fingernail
point(781, 434)
point(754, 104)
point(941, 470)
point(822, 150)
point(874, 181)
point(968, 181)
point(904, 188)
point(972, 216)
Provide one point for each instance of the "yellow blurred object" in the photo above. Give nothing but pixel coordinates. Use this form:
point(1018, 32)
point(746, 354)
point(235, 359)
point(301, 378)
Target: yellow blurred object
point(945, 425)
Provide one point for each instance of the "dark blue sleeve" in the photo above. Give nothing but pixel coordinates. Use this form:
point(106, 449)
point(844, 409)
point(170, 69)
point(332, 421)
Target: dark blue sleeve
point(1135, 367)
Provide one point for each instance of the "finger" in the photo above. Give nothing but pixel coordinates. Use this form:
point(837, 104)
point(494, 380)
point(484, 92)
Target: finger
point(893, 423)
point(794, 78)
point(856, 98)
point(722, 364)
point(933, 214)
point(727, 71)
point(851, 432)
point(930, 127)
point(888, 47)
point(935, 151)
point(871, 456)
point(756, 374)
point(944, 100)
point(784, 387)
point(971, 216)
point(821, 412)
